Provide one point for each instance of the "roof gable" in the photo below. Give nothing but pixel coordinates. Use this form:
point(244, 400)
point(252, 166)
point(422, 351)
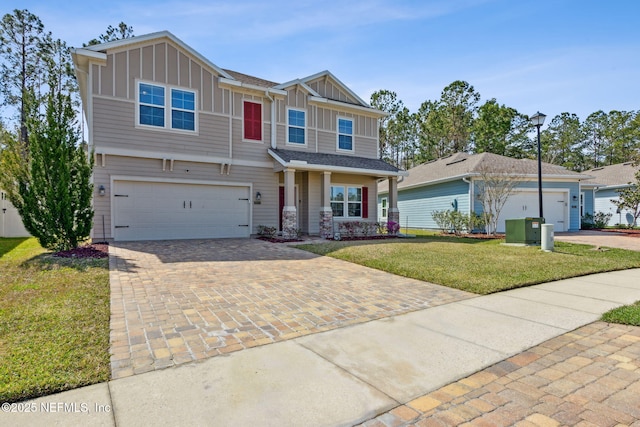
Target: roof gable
point(153, 37)
point(325, 85)
point(464, 165)
point(613, 175)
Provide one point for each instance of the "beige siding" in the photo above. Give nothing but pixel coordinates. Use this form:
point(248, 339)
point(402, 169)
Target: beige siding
point(134, 71)
point(184, 70)
point(207, 89)
point(120, 69)
point(314, 184)
point(328, 88)
point(263, 180)
point(248, 150)
point(148, 64)
point(106, 77)
point(114, 126)
point(172, 65)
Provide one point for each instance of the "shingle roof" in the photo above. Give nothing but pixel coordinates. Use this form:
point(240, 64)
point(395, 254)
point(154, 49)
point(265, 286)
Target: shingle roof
point(245, 78)
point(465, 165)
point(620, 174)
point(335, 160)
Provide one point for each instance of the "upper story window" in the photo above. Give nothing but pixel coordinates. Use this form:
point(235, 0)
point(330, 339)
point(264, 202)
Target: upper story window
point(252, 121)
point(296, 122)
point(345, 134)
point(178, 111)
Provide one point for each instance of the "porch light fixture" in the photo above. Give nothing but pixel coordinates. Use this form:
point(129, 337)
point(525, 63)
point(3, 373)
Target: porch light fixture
point(258, 198)
point(538, 119)
point(101, 190)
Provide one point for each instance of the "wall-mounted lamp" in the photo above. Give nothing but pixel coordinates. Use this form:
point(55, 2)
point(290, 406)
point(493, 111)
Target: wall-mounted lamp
point(258, 198)
point(575, 197)
point(101, 190)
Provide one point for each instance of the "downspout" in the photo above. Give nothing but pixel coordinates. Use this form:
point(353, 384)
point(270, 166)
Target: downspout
point(471, 191)
point(273, 118)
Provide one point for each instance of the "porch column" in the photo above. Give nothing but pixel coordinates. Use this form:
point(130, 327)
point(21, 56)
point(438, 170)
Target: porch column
point(289, 214)
point(393, 216)
point(326, 214)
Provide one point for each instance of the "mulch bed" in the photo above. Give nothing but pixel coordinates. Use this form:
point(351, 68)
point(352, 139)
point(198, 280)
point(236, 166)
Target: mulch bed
point(278, 239)
point(94, 250)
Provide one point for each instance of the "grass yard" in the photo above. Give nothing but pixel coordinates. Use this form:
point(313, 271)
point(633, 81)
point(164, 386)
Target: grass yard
point(479, 266)
point(54, 321)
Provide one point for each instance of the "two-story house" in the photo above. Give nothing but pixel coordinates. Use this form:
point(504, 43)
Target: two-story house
point(186, 149)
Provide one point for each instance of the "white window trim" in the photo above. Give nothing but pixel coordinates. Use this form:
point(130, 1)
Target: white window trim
point(306, 136)
point(384, 201)
point(353, 142)
point(345, 202)
point(167, 108)
point(255, 141)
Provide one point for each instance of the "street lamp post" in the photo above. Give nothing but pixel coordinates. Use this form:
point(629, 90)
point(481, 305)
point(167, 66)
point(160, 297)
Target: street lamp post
point(538, 119)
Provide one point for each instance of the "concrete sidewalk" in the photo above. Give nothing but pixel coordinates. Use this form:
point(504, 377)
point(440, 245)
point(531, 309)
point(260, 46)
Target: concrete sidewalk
point(344, 376)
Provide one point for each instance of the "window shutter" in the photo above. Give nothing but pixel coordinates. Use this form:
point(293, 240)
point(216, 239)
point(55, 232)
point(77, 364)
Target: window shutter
point(365, 202)
point(252, 121)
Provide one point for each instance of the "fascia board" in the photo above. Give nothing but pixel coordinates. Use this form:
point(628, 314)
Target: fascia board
point(346, 106)
point(238, 84)
point(154, 36)
point(337, 169)
point(337, 80)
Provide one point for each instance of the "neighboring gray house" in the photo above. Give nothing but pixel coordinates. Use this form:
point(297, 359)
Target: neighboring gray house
point(10, 221)
point(451, 183)
point(598, 191)
point(186, 149)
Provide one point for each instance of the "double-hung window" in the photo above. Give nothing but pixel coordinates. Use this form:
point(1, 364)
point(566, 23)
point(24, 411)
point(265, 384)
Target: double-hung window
point(252, 121)
point(345, 134)
point(296, 123)
point(165, 107)
point(347, 202)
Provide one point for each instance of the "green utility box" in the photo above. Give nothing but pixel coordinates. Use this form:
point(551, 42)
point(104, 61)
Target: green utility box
point(527, 231)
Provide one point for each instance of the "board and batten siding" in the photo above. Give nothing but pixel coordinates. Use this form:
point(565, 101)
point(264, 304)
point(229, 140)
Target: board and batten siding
point(160, 63)
point(329, 89)
point(264, 180)
point(416, 205)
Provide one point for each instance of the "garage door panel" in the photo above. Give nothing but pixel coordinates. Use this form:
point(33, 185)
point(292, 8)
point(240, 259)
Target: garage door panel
point(154, 211)
point(525, 204)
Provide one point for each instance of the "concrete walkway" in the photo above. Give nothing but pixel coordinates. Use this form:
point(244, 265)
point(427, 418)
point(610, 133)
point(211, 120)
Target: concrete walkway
point(374, 371)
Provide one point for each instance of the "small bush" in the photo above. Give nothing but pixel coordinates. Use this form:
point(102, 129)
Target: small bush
point(266, 231)
point(455, 222)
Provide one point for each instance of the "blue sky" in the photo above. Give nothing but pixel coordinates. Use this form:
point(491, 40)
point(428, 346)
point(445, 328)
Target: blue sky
point(578, 56)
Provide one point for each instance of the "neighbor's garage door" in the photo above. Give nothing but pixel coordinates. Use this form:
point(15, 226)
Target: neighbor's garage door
point(158, 211)
point(524, 204)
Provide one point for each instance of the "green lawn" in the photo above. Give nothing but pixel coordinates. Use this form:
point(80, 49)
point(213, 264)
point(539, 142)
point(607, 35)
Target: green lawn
point(54, 321)
point(479, 266)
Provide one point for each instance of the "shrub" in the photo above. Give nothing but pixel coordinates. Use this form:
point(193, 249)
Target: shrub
point(455, 222)
point(266, 231)
point(601, 219)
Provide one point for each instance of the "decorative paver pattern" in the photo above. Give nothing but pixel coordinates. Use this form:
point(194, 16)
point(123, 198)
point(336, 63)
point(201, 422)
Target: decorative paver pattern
point(588, 377)
point(174, 302)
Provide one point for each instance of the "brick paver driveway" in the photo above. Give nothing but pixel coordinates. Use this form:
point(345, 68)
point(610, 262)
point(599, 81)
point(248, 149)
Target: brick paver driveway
point(178, 301)
point(601, 239)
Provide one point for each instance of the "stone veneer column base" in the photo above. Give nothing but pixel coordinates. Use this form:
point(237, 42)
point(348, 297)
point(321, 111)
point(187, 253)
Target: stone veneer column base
point(289, 222)
point(393, 216)
point(326, 223)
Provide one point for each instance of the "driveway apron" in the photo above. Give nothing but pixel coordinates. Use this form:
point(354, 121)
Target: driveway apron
point(174, 302)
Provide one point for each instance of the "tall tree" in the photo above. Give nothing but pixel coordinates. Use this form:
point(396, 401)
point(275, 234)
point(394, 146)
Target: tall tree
point(23, 46)
point(121, 31)
point(388, 102)
point(595, 141)
point(623, 135)
point(500, 130)
point(562, 140)
point(446, 125)
point(459, 105)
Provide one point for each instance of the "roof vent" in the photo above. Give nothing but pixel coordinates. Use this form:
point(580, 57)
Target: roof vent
point(455, 161)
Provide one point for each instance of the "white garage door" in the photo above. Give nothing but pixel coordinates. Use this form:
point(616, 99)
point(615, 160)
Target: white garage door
point(159, 211)
point(524, 204)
